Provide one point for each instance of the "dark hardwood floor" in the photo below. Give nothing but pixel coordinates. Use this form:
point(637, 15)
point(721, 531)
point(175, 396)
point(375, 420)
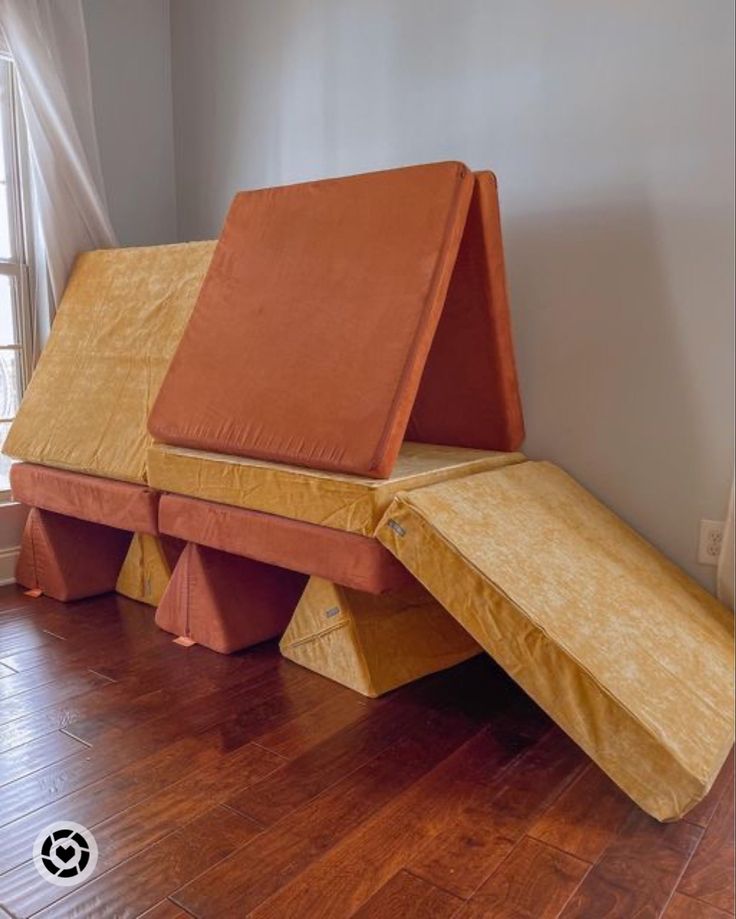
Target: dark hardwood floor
point(231, 786)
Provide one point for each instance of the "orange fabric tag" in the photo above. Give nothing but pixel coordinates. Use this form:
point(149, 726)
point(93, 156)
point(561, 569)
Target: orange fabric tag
point(36, 592)
point(184, 641)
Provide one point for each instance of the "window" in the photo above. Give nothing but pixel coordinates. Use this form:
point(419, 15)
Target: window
point(14, 286)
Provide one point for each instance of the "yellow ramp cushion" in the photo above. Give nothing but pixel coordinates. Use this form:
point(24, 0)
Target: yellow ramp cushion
point(337, 500)
point(119, 322)
point(629, 656)
point(373, 643)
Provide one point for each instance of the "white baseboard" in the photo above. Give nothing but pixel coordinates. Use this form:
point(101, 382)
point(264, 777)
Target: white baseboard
point(8, 558)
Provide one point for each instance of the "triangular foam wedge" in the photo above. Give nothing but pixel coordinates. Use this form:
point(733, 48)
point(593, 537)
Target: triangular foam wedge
point(373, 643)
point(626, 653)
point(333, 310)
point(147, 568)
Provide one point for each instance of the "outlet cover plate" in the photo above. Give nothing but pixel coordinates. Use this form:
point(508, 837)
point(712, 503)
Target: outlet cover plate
point(711, 539)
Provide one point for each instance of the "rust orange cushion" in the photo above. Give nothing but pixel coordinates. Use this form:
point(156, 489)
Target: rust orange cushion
point(123, 505)
point(312, 328)
point(347, 558)
point(469, 394)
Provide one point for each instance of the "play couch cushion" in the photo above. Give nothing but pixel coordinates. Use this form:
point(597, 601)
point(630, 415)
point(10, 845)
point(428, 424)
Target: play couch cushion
point(625, 652)
point(310, 336)
point(86, 497)
point(469, 393)
point(119, 321)
point(343, 502)
point(347, 558)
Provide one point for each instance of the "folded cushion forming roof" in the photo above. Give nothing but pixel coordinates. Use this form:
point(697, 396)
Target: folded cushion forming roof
point(318, 329)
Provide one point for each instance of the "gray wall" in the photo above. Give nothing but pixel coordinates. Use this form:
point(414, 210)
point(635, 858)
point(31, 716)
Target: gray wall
point(130, 62)
point(610, 126)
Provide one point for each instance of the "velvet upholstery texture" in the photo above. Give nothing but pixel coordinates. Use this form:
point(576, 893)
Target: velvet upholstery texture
point(69, 559)
point(347, 558)
point(310, 336)
point(86, 497)
point(334, 500)
point(226, 602)
point(147, 568)
point(373, 644)
point(626, 653)
point(117, 326)
point(469, 393)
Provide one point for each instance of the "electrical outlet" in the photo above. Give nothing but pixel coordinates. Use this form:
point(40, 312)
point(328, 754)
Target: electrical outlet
point(711, 538)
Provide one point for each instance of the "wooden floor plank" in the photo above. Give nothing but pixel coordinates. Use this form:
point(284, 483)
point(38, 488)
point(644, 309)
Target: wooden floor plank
point(123, 836)
point(141, 881)
point(710, 875)
point(494, 818)
point(117, 792)
point(703, 812)
point(536, 880)
point(338, 711)
point(253, 705)
point(144, 685)
point(75, 684)
point(36, 755)
point(586, 817)
point(682, 907)
point(166, 909)
point(638, 872)
point(261, 868)
point(406, 896)
point(303, 778)
point(355, 869)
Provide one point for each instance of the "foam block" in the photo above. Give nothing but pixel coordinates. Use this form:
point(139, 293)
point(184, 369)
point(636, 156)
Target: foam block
point(117, 326)
point(86, 497)
point(627, 654)
point(225, 602)
point(373, 644)
point(69, 559)
point(347, 558)
point(343, 502)
point(147, 568)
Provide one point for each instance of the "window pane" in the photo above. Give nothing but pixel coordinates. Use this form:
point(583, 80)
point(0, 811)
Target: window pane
point(5, 461)
point(8, 331)
point(5, 108)
point(6, 249)
point(9, 384)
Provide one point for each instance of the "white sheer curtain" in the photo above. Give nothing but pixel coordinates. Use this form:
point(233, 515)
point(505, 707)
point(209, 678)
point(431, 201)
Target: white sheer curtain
point(48, 43)
point(725, 578)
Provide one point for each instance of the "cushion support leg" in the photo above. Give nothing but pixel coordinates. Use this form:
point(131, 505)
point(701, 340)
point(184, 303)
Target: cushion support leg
point(226, 602)
point(67, 558)
point(370, 643)
point(147, 567)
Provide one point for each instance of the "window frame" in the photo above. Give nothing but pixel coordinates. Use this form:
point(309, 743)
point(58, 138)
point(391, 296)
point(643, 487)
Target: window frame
point(18, 267)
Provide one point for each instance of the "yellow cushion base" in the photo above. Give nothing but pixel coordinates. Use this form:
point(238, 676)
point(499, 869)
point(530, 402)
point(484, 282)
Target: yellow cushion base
point(146, 572)
point(370, 643)
point(627, 654)
point(118, 325)
point(343, 502)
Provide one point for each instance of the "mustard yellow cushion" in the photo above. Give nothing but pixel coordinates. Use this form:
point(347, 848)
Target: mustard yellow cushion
point(630, 657)
point(119, 322)
point(146, 571)
point(373, 643)
point(337, 500)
